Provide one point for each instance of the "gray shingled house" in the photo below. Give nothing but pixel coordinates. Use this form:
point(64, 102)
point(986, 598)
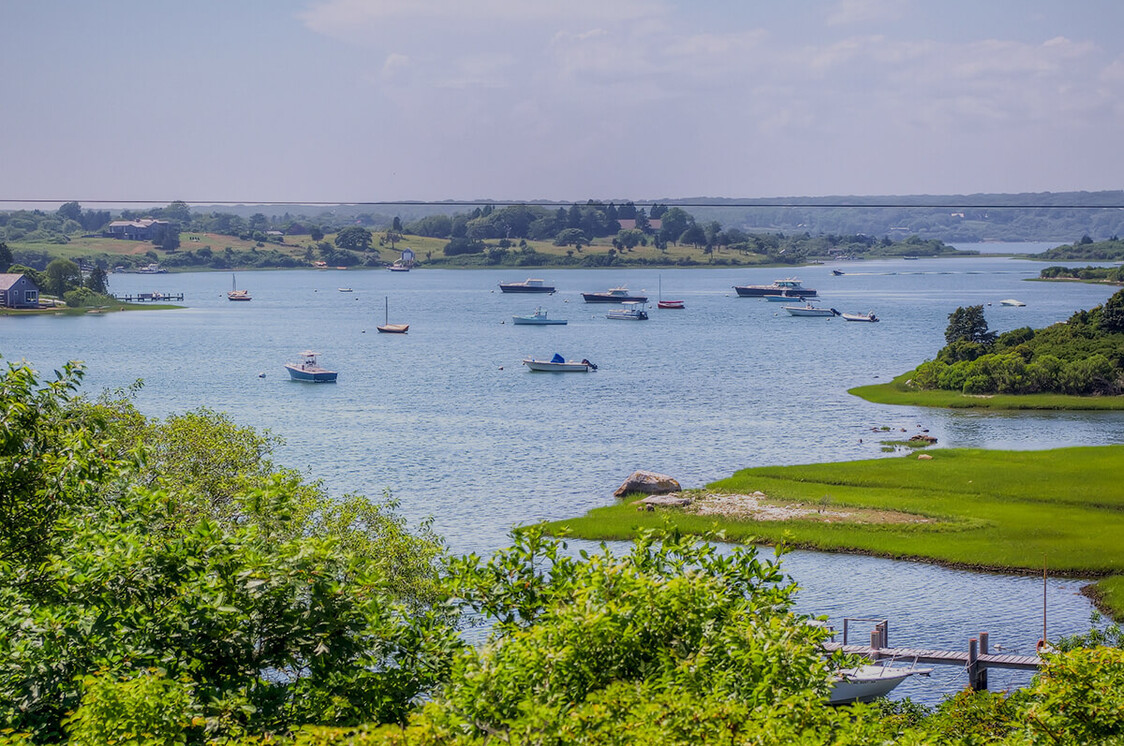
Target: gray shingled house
point(18, 291)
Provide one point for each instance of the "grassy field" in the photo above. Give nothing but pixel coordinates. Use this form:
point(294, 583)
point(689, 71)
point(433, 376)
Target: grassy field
point(428, 250)
point(897, 392)
point(1001, 510)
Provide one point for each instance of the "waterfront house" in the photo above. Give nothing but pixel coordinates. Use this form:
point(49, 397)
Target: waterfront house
point(18, 291)
point(137, 230)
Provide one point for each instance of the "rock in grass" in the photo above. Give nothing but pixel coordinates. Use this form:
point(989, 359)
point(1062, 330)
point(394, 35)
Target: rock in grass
point(648, 483)
point(924, 457)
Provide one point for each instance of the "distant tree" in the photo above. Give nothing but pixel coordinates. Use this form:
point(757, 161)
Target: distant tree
point(258, 222)
point(169, 238)
point(629, 238)
point(178, 211)
point(97, 281)
point(675, 222)
point(355, 238)
point(70, 211)
point(316, 233)
point(462, 245)
point(39, 278)
point(969, 325)
point(62, 275)
point(571, 237)
point(396, 226)
point(5, 257)
point(693, 235)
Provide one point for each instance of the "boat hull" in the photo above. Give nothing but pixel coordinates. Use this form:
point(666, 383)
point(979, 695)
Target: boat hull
point(866, 683)
point(627, 315)
point(760, 291)
point(816, 312)
point(546, 366)
point(393, 328)
point(670, 304)
point(316, 375)
point(869, 318)
point(518, 287)
point(533, 321)
point(610, 298)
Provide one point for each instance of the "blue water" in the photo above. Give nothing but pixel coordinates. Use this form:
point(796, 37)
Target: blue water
point(450, 422)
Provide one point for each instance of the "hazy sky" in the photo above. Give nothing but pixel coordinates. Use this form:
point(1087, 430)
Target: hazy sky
point(364, 100)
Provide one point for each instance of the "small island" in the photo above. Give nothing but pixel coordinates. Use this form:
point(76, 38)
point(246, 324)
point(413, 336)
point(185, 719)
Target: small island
point(1078, 364)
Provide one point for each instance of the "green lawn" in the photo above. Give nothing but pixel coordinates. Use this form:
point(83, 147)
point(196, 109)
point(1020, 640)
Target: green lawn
point(897, 392)
point(1002, 510)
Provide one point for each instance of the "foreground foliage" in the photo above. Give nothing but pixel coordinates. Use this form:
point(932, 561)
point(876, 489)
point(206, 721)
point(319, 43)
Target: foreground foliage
point(181, 589)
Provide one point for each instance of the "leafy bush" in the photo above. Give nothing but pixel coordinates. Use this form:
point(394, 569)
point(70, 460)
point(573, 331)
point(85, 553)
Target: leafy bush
point(85, 298)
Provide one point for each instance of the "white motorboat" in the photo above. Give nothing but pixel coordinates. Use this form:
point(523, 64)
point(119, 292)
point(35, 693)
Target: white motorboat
point(860, 316)
point(530, 285)
point(559, 364)
point(868, 682)
point(810, 310)
point(1011, 302)
point(538, 318)
point(628, 312)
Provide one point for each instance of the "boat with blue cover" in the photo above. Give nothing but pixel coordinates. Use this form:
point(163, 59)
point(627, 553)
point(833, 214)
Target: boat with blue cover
point(559, 364)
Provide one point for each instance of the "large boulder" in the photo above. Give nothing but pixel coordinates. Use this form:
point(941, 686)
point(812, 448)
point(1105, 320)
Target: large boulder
point(648, 483)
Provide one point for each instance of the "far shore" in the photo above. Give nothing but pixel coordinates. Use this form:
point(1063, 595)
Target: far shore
point(997, 511)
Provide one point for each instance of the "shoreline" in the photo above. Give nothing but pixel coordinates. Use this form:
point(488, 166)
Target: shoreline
point(996, 512)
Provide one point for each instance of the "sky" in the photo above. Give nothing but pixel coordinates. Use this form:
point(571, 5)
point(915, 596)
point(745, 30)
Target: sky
point(380, 100)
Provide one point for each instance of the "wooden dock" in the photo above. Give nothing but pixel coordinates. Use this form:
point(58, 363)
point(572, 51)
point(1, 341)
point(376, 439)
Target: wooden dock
point(975, 660)
point(148, 297)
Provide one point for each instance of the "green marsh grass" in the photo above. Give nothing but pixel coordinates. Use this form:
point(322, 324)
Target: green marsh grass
point(896, 392)
point(1001, 510)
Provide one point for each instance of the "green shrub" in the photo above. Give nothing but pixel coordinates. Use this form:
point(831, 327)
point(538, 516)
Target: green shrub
point(84, 298)
point(145, 709)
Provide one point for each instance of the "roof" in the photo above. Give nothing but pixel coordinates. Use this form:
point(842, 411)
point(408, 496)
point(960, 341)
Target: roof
point(8, 279)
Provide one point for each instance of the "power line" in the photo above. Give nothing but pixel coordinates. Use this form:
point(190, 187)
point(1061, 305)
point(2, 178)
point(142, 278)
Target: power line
point(543, 203)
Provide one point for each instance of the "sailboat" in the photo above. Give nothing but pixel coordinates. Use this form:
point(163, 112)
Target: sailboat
point(661, 303)
point(235, 293)
point(387, 327)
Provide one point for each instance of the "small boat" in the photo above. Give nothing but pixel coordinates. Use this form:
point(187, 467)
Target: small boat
point(234, 293)
point(910, 258)
point(629, 312)
point(868, 682)
point(860, 316)
point(810, 310)
point(387, 327)
point(530, 285)
point(538, 318)
point(790, 286)
point(1012, 302)
point(344, 290)
point(398, 267)
point(661, 303)
point(614, 295)
point(559, 364)
point(837, 272)
point(309, 371)
point(781, 298)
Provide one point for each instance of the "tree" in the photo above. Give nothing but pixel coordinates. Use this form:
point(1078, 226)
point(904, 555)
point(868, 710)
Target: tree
point(252, 599)
point(694, 235)
point(968, 324)
point(316, 233)
point(62, 275)
point(70, 211)
point(6, 258)
point(355, 238)
point(177, 211)
point(675, 221)
point(571, 237)
point(1112, 314)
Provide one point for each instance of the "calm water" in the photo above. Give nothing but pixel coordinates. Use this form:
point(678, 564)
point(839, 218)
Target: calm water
point(448, 420)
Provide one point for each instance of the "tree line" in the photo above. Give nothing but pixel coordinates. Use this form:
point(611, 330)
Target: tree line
point(1083, 356)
